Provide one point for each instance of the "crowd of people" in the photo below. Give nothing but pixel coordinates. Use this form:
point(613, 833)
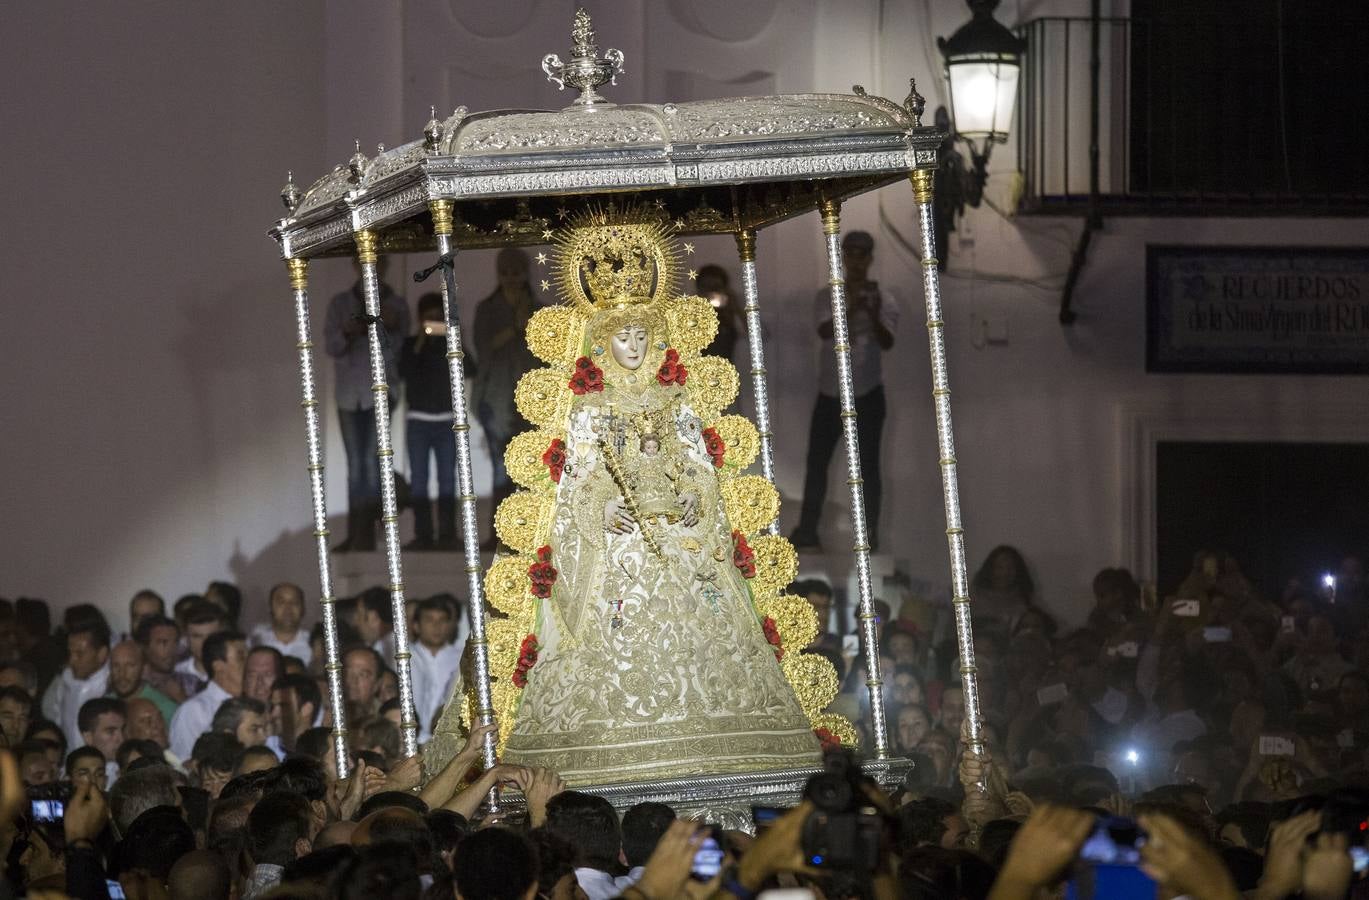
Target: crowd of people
point(1217, 736)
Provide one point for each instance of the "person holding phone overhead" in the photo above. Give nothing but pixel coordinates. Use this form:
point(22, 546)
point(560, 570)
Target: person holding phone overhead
point(428, 426)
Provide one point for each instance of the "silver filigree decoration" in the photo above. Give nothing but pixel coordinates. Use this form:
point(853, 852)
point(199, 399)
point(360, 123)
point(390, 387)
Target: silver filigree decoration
point(530, 131)
point(587, 70)
point(750, 117)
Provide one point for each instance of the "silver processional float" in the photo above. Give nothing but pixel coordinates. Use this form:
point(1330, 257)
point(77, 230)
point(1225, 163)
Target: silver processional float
point(508, 178)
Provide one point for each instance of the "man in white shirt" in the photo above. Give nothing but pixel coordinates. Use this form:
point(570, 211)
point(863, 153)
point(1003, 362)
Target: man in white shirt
point(225, 656)
point(101, 721)
point(296, 706)
point(85, 677)
point(590, 823)
point(201, 621)
point(286, 602)
point(435, 660)
point(872, 319)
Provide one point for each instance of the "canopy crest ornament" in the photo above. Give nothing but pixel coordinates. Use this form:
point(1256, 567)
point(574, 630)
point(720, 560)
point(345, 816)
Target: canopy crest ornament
point(586, 70)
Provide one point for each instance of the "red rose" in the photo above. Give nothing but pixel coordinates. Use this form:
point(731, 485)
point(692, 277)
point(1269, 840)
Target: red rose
point(772, 634)
point(527, 658)
point(828, 740)
point(555, 459)
point(713, 443)
point(588, 378)
point(743, 557)
point(542, 574)
point(671, 372)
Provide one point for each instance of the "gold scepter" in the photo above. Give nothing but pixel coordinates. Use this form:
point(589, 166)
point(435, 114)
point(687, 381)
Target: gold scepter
point(629, 498)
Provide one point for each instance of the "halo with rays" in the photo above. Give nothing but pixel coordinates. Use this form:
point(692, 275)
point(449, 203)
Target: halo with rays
point(599, 234)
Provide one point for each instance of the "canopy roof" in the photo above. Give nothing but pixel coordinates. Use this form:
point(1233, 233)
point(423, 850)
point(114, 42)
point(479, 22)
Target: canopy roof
point(713, 166)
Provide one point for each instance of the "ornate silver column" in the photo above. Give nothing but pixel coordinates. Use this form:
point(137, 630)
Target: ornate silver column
point(380, 391)
point(831, 227)
point(923, 181)
point(755, 341)
point(465, 480)
point(299, 284)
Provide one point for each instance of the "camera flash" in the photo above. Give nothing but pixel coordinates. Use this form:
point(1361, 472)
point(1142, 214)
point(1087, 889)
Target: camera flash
point(1328, 580)
point(1133, 757)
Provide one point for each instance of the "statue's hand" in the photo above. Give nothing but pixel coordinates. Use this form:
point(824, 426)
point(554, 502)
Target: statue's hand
point(690, 506)
point(617, 520)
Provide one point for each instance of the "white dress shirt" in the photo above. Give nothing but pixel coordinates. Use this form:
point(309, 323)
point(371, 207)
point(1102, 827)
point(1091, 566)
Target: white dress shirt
point(432, 679)
point(187, 667)
point(298, 646)
point(194, 717)
point(63, 699)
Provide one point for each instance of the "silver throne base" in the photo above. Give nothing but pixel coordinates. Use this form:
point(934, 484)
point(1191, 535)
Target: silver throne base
point(724, 800)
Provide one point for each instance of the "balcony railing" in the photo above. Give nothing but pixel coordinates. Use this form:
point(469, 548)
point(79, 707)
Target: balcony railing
point(1207, 117)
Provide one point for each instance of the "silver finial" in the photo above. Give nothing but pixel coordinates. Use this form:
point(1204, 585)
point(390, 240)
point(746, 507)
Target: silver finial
point(586, 70)
point(432, 132)
point(290, 194)
point(915, 102)
point(357, 164)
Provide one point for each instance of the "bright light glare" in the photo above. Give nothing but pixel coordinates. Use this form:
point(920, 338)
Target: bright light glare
point(1329, 580)
point(982, 97)
point(1133, 757)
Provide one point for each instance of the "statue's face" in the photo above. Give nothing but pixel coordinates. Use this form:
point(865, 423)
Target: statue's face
point(629, 347)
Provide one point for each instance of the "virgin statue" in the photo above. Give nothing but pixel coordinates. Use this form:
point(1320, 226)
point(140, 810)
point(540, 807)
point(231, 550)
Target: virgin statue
point(644, 632)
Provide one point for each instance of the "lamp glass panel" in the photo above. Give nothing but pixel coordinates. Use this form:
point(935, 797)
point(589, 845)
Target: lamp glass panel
point(983, 93)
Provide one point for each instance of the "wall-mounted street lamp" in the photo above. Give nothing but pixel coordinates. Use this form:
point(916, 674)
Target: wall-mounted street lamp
point(983, 60)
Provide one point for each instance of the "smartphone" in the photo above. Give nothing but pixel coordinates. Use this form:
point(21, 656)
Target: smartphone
point(47, 810)
point(850, 644)
point(1274, 745)
point(708, 859)
point(1217, 634)
point(1109, 864)
point(1287, 625)
point(762, 817)
point(116, 890)
point(434, 328)
point(1052, 693)
point(1187, 608)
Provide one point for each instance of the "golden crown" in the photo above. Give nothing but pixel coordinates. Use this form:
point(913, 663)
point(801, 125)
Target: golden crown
point(611, 259)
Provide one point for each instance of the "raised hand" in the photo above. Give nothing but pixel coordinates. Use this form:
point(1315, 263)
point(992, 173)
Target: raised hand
point(86, 814)
point(1183, 863)
point(1047, 843)
point(543, 785)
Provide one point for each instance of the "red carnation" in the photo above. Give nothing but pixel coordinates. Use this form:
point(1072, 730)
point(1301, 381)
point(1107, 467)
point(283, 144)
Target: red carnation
point(671, 372)
point(772, 634)
point(542, 574)
point(588, 378)
point(828, 740)
point(555, 459)
point(527, 658)
point(713, 443)
point(743, 557)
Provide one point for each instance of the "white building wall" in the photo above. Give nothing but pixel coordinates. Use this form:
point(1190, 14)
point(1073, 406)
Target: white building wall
point(151, 436)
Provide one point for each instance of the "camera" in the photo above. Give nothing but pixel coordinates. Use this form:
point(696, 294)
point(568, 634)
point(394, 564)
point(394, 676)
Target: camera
point(47, 802)
point(1109, 863)
point(845, 829)
point(1347, 812)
